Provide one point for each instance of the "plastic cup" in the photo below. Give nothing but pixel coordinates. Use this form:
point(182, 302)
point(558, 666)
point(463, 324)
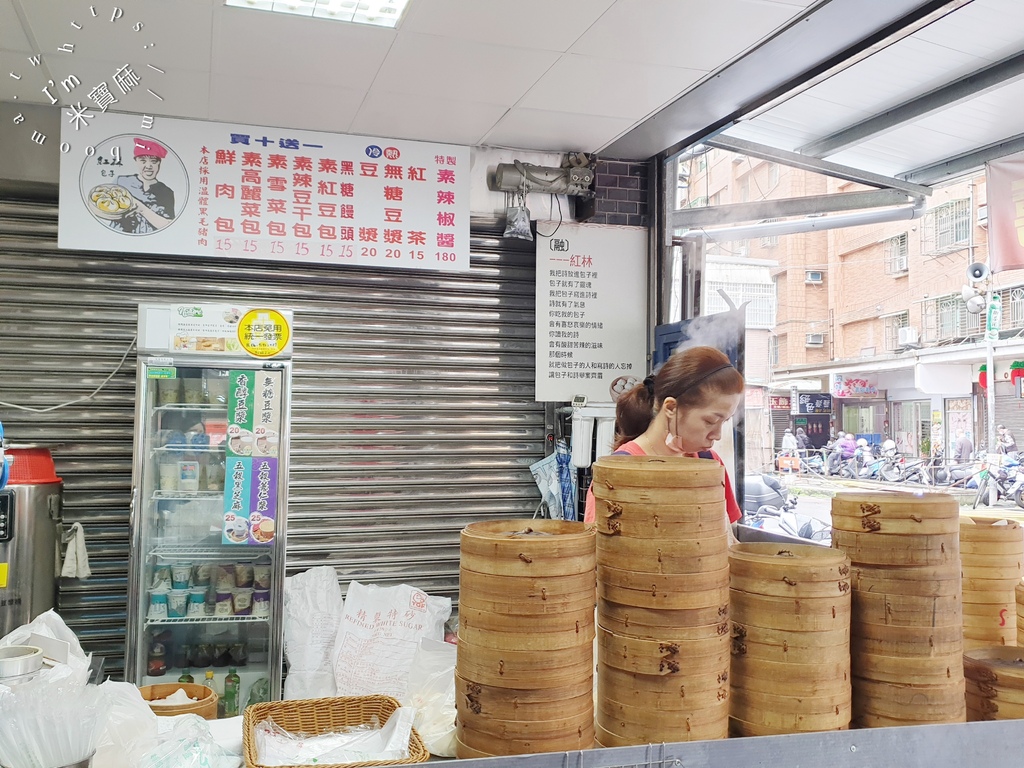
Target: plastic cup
point(193, 389)
point(242, 602)
point(225, 604)
point(197, 601)
point(168, 391)
point(169, 472)
point(261, 602)
point(261, 576)
point(180, 575)
point(177, 603)
point(201, 574)
point(214, 476)
point(161, 576)
point(188, 475)
point(157, 604)
point(224, 577)
point(243, 575)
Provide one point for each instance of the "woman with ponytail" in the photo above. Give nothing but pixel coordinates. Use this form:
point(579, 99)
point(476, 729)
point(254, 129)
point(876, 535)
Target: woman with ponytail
point(679, 412)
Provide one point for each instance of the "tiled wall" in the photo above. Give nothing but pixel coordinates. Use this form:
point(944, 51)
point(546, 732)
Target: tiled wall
point(622, 197)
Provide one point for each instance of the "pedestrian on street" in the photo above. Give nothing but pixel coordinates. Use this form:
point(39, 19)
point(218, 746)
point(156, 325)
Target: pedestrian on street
point(963, 449)
point(1006, 442)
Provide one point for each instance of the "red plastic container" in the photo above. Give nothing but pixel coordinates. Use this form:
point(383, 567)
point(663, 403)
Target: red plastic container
point(31, 466)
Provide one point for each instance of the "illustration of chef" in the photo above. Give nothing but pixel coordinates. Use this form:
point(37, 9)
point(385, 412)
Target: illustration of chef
point(156, 200)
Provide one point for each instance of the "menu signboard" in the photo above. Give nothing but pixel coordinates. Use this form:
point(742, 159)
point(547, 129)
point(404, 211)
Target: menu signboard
point(186, 187)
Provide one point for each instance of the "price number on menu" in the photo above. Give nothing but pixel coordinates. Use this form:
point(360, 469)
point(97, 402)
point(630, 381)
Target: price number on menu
point(234, 430)
point(330, 251)
point(445, 256)
point(228, 244)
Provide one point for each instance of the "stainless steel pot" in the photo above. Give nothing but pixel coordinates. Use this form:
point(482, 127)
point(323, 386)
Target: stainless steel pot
point(18, 660)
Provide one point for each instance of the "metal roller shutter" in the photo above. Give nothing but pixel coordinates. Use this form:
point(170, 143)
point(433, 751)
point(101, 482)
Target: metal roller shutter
point(413, 410)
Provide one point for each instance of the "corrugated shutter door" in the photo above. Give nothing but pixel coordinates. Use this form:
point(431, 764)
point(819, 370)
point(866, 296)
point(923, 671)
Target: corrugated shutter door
point(1009, 411)
point(413, 410)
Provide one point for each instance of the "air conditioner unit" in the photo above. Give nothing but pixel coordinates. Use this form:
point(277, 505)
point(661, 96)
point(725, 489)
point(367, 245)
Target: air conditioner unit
point(982, 215)
point(814, 340)
point(907, 336)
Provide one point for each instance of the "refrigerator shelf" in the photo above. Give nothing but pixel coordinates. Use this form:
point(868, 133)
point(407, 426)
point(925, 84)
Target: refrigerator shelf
point(207, 620)
point(188, 496)
point(218, 552)
point(177, 407)
point(190, 449)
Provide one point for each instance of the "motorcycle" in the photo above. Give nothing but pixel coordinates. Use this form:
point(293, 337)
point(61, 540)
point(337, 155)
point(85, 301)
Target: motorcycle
point(764, 494)
point(1003, 472)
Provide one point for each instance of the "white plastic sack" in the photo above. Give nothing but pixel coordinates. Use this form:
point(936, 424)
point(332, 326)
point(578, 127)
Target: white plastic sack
point(432, 692)
point(189, 744)
point(131, 729)
point(50, 624)
point(312, 612)
point(379, 633)
point(275, 746)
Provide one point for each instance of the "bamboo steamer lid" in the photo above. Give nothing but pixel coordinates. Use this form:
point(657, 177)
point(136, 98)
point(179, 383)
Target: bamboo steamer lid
point(530, 641)
point(1001, 576)
point(685, 731)
point(869, 720)
point(995, 530)
point(1002, 667)
point(617, 473)
point(809, 614)
point(984, 641)
point(913, 550)
point(857, 522)
point(904, 610)
point(787, 586)
point(655, 599)
point(669, 692)
point(572, 623)
point(907, 670)
point(640, 621)
point(509, 669)
point(926, 581)
point(662, 657)
point(808, 679)
point(1003, 550)
point(527, 548)
point(910, 702)
point(526, 730)
point(489, 744)
point(663, 555)
point(993, 709)
point(999, 693)
point(799, 570)
point(523, 703)
point(739, 727)
point(787, 714)
point(1001, 615)
point(662, 583)
point(896, 512)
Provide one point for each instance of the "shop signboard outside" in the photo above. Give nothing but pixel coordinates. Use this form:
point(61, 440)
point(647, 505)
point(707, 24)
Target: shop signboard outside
point(852, 387)
point(239, 192)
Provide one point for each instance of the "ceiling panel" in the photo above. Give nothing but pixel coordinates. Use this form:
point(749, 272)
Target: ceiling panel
point(675, 34)
point(537, 24)
point(461, 69)
point(992, 29)
point(12, 36)
point(435, 119)
point(559, 131)
point(309, 106)
point(597, 86)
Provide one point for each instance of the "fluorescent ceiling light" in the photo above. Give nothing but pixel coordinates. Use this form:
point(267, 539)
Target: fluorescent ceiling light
point(381, 13)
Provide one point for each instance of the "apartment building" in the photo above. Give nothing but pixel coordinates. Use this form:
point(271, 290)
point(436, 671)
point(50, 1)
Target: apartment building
point(869, 320)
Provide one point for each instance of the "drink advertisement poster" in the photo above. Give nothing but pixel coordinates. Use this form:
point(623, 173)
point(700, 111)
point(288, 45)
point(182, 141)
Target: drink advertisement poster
point(250, 488)
point(193, 188)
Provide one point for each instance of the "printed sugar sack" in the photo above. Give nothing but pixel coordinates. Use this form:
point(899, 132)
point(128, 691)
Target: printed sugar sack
point(312, 612)
point(379, 633)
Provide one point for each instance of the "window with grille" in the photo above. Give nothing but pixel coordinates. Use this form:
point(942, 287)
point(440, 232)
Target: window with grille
point(949, 319)
point(947, 228)
point(773, 351)
point(893, 323)
point(896, 254)
point(760, 310)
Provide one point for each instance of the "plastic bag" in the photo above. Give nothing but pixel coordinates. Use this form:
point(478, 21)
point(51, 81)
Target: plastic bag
point(517, 222)
point(312, 612)
point(131, 729)
point(188, 745)
point(51, 625)
point(548, 478)
point(432, 693)
point(276, 746)
point(378, 636)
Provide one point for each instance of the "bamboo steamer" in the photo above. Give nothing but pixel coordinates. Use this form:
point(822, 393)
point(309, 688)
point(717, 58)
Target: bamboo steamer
point(921, 581)
point(909, 549)
point(938, 670)
point(895, 512)
point(638, 621)
point(827, 678)
point(525, 703)
point(521, 669)
point(1018, 592)
point(663, 555)
point(526, 608)
point(655, 599)
point(781, 646)
point(536, 641)
point(742, 728)
point(528, 587)
point(721, 629)
point(689, 729)
point(525, 730)
point(574, 623)
point(651, 526)
point(681, 474)
point(991, 572)
point(662, 657)
point(531, 548)
point(1000, 667)
point(911, 703)
point(657, 692)
point(620, 725)
point(812, 614)
point(905, 610)
point(489, 744)
point(989, 691)
point(694, 519)
point(664, 583)
point(800, 570)
point(869, 720)
point(992, 709)
point(832, 711)
point(467, 753)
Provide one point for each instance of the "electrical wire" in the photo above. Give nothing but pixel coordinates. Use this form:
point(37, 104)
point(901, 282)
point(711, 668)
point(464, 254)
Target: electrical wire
point(557, 200)
point(90, 396)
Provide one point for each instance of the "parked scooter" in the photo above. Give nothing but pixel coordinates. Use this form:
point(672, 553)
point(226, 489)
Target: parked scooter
point(764, 494)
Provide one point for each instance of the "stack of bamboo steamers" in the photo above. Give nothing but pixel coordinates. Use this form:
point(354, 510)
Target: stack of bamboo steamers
point(906, 631)
point(991, 552)
point(663, 600)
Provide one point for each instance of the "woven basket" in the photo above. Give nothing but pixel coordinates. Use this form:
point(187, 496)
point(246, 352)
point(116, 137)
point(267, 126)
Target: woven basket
point(205, 705)
point(316, 716)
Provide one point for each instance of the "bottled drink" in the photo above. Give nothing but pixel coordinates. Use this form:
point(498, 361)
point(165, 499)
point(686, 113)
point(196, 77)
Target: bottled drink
point(186, 676)
point(231, 685)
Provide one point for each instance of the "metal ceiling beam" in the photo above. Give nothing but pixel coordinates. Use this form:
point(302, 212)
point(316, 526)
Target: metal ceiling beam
point(966, 87)
point(824, 39)
point(716, 215)
point(803, 162)
point(964, 163)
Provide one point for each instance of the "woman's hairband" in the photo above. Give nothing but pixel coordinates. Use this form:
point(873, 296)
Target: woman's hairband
point(708, 375)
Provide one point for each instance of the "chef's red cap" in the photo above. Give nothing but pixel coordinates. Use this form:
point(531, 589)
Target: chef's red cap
point(147, 147)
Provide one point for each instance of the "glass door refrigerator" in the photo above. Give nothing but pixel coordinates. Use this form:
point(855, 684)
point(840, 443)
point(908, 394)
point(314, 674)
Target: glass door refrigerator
point(209, 497)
